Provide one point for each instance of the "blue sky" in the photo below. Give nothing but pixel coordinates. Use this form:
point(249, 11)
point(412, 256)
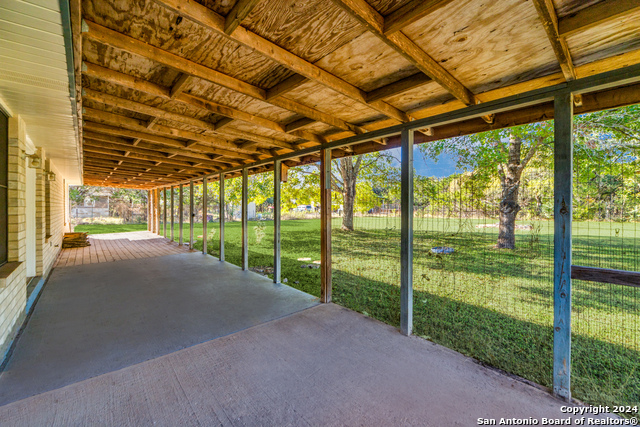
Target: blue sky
point(445, 166)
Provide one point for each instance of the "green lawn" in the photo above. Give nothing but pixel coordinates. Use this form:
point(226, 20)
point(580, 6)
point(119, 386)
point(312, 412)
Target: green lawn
point(493, 305)
point(109, 228)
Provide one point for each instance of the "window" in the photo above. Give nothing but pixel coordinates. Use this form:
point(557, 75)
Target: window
point(4, 181)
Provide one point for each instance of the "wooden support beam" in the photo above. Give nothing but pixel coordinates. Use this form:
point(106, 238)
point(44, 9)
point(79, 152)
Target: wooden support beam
point(192, 215)
point(173, 214)
point(164, 212)
point(181, 215)
point(374, 22)
point(297, 124)
point(104, 149)
point(410, 13)
point(205, 222)
point(222, 214)
point(277, 269)
point(213, 21)
point(325, 226)
point(245, 219)
point(406, 233)
point(606, 275)
point(287, 85)
point(549, 19)
point(597, 14)
point(563, 211)
point(236, 15)
point(179, 85)
point(400, 86)
point(218, 146)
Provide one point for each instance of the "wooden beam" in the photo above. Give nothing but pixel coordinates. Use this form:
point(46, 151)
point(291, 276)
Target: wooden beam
point(213, 21)
point(606, 275)
point(549, 19)
point(297, 124)
point(411, 12)
point(374, 22)
point(180, 118)
point(138, 107)
point(563, 211)
point(287, 85)
point(117, 150)
point(236, 15)
point(179, 85)
point(109, 37)
point(325, 226)
point(400, 86)
point(597, 14)
point(215, 145)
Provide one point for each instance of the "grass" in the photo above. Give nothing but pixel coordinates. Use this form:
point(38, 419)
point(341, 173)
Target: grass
point(493, 305)
point(109, 228)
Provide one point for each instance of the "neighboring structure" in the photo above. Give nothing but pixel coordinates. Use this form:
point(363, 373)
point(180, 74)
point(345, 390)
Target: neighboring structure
point(93, 207)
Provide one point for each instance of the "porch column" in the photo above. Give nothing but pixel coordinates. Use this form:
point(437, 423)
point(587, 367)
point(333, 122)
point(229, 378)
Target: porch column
point(149, 211)
point(173, 213)
point(164, 212)
point(406, 233)
point(245, 232)
point(204, 215)
point(181, 214)
point(562, 215)
point(221, 220)
point(277, 176)
point(156, 211)
point(192, 214)
point(325, 225)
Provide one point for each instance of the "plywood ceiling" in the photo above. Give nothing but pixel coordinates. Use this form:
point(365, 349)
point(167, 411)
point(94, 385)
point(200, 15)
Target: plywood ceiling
point(176, 89)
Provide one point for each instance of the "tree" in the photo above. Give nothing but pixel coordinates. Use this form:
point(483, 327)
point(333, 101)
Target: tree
point(503, 154)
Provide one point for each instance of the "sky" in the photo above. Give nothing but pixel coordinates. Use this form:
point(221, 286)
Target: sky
point(444, 166)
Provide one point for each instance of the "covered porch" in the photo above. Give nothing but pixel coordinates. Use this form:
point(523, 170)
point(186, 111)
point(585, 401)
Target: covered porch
point(185, 339)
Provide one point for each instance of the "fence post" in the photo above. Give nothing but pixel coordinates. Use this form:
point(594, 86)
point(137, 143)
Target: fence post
point(563, 210)
point(245, 214)
point(325, 226)
point(221, 210)
point(192, 214)
point(173, 213)
point(276, 221)
point(204, 215)
point(406, 233)
point(181, 215)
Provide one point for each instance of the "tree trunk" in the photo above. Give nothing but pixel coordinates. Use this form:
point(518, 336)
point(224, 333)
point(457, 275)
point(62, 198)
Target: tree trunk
point(349, 172)
point(509, 207)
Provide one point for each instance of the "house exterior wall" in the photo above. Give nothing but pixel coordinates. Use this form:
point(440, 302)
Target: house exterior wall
point(50, 209)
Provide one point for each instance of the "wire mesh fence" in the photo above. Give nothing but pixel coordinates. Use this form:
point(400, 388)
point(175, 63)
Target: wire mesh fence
point(260, 223)
point(606, 317)
point(366, 235)
point(233, 220)
point(300, 228)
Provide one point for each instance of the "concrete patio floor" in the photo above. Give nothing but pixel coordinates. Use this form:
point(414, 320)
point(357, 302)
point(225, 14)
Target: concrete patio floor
point(188, 340)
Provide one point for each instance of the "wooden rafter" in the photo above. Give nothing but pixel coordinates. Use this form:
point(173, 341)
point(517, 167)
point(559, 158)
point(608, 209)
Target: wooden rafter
point(179, 85)
point(373, 21)
point(179, 118)
point(549, 19)
point(236, 15)
point(217, 146)
point(287, 85)
point(213, 21)
point(599, 13)
point(399, 86)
